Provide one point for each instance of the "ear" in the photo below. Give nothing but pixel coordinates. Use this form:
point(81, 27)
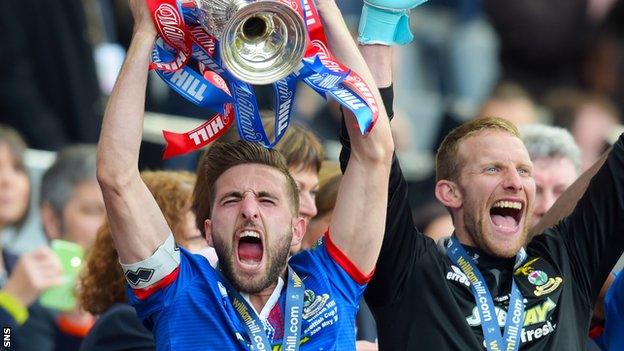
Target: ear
point(299, 229)
point(51, 222)
point(208, 232)
point(447, 192)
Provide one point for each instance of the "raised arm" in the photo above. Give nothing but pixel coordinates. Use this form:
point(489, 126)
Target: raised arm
point(358, 220)
point(402, 243)
point(137, 224)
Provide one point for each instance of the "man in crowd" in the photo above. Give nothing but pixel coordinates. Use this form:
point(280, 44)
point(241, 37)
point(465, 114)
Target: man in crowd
point(487, 286)
point(247, 205)
point(556, 163)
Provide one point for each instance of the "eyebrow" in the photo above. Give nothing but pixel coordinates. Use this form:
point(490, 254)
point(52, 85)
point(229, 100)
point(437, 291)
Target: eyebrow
point(267, 194)
point(239, 195)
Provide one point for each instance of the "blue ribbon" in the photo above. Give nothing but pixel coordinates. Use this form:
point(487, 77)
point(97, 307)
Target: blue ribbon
point(295, 291)
point(514, 322)
point(188, 83)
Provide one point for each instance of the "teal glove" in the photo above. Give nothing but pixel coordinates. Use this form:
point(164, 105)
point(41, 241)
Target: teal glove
point(386, 22)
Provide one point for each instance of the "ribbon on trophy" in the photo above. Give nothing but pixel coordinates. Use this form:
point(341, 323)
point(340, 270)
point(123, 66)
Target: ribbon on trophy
point(224, 88)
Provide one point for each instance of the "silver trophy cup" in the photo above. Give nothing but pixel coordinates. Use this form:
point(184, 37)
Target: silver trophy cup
point(261, 41)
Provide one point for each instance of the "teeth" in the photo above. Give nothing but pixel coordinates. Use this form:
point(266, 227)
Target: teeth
point(249, 233)
point(508, 204)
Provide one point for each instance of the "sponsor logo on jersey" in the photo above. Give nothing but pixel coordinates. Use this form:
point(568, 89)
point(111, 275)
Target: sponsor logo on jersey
point(534, 315)
point(537, 323)
point(457, 275)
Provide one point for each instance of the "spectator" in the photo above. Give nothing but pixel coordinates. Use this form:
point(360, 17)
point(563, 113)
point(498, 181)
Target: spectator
point(589, 117)
point(329, 182)
point(556, 164)
point(511, 102)
point(303, 153)
point(72, 209)
point(435, 219)
point(23, 279)
point(118, 327)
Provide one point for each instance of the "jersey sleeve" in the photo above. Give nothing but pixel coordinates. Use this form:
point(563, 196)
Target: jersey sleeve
point(614, 314)
point(403, 244)
point(327, 261)
point(149, 301)
point(593, 233)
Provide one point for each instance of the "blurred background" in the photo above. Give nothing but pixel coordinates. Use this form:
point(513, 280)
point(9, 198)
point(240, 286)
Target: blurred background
point(557, 62)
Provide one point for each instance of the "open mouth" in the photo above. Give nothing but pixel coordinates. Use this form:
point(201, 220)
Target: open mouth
point(506, 215)
point(250, 248)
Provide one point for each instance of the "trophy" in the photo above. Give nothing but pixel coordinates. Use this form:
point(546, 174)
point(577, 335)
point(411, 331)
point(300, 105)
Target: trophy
point(260, 41)
point(241, 43)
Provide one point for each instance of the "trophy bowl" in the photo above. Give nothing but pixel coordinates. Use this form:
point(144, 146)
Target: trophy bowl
point(260, 41)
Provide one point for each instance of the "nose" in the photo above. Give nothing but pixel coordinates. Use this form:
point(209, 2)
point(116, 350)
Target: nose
point(512, 181)
point(249, 207)
point(307, 205)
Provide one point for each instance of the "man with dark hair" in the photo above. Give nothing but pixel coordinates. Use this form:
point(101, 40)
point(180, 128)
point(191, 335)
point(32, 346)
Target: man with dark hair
point(72, 208)
point(247, 205)
point(486, 287)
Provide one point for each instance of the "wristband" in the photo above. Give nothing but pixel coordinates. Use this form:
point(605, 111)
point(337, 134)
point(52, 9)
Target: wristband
point(14, 307)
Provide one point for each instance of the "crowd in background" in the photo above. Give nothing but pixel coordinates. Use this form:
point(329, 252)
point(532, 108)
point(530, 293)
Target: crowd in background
point(558, 63)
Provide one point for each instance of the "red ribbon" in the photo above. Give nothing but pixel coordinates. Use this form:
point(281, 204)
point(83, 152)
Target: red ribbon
point(209, 131)
point(170, 26)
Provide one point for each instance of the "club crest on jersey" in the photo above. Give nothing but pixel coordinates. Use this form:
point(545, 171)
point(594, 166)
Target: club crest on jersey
point(538, 278)
point(313, 304)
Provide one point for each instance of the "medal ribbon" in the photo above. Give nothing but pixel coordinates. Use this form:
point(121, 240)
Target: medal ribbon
point(494, 341)
point(255, 327)
point(183, 38)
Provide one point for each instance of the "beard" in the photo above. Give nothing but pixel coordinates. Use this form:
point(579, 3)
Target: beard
point(276, 260)
point(479, 231)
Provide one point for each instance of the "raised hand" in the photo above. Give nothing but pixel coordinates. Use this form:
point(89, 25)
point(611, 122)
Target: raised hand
point(142, 18)
point(35, 272)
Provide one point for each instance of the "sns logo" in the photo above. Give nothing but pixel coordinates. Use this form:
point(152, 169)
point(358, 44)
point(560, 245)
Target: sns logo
point(168, 22)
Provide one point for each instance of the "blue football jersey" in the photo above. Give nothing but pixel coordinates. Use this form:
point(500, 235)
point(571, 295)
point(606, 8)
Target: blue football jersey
point(190, 309)
point(612, 337)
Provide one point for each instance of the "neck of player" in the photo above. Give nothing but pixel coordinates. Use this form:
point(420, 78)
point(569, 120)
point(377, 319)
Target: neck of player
point(260, 299)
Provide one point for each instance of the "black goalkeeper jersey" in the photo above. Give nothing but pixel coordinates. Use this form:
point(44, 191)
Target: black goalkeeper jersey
point(421, 301)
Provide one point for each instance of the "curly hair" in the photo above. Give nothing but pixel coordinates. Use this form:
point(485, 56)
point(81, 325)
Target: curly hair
point(102, 282)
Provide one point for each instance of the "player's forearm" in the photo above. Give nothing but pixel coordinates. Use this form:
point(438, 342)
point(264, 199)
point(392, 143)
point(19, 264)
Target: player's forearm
point(120, 139)
point(378, 57)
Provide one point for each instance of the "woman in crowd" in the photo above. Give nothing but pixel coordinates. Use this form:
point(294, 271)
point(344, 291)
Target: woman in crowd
point(21, 279)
